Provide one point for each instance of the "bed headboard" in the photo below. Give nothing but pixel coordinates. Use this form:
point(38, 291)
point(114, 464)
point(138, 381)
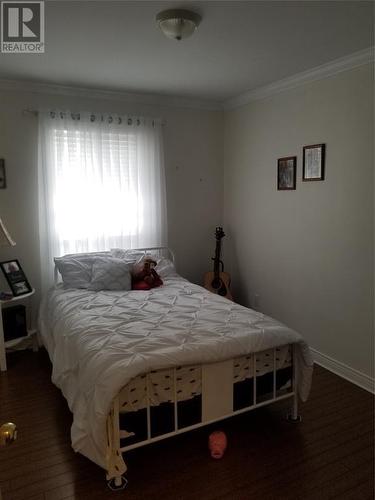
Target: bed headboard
point(158, 252)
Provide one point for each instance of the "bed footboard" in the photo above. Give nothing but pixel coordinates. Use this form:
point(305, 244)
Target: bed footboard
point(213, 405)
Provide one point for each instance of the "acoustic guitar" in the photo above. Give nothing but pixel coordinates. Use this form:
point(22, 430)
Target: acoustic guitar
point(217, 281)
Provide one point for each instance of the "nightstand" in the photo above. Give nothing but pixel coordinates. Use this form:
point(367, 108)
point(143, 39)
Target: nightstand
point(31, 333)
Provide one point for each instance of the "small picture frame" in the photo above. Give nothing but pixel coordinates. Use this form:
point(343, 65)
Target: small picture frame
point(3, 182)
point(286, 173)
point(15, 277)
point(313, 162)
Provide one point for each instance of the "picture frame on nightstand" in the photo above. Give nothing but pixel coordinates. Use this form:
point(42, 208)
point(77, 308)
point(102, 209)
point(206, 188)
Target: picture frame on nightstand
point(15, 277)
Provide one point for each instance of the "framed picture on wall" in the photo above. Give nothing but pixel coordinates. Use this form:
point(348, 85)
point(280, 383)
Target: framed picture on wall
point(286, 173)
point(313, 162)
point(3, 183)
point(15, 277)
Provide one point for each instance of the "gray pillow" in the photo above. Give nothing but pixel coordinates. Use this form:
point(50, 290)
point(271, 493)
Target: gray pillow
point(110, 274)
point(75, 269)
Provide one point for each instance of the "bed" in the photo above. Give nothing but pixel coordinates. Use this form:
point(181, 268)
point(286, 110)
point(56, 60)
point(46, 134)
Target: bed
point(139, 366)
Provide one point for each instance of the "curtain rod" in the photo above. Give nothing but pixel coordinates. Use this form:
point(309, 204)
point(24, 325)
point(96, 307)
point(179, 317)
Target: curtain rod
point(35, 112)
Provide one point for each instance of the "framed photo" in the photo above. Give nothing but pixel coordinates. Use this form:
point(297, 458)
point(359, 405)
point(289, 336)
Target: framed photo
point(15, 277)
point(313, 162)
point(286, 173)
point(3, 183)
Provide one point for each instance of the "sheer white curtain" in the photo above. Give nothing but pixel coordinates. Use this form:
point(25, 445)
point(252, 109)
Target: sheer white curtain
point(101, 182)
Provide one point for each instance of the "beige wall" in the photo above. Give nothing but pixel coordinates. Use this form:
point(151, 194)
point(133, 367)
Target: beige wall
point(308, 253)
point(193, 154)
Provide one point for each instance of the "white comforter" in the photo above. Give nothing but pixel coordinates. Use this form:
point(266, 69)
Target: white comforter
point(99, 341)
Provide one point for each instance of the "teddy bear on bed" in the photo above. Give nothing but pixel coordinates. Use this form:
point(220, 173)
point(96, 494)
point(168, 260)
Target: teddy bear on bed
point(144, 276)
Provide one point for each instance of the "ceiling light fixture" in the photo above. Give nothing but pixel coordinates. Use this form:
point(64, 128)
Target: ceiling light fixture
point(178, 23)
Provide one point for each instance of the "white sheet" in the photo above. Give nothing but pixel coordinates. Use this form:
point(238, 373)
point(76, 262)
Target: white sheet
point(133, 396)
point(99, 341)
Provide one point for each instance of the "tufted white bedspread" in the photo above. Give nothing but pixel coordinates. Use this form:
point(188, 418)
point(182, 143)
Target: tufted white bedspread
point(99, 341)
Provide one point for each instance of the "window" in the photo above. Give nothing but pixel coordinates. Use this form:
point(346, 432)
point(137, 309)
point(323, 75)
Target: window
point(101, 183)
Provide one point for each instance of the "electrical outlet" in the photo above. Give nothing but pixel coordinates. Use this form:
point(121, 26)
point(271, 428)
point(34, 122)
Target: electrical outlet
point(256, 301)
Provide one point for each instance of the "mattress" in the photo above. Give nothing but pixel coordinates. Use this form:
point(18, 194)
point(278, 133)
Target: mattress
point(98, 342)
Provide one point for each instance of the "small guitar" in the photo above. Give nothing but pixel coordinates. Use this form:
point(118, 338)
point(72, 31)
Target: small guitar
point(218, 281)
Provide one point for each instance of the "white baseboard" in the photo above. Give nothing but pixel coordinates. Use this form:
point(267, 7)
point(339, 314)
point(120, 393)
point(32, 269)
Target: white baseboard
point(344, 371)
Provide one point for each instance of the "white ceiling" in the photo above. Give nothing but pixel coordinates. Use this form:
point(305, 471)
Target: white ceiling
point(239, 46)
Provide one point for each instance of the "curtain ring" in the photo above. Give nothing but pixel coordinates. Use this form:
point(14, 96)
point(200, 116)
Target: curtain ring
point(62, 115)
point(130, 121)
point(92, 118)
point(110, 119)
point(53, 114)
point(138, 122)
point(119, 120)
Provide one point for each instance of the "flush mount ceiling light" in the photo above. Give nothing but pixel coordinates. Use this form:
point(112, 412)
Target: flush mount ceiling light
point(178, 23)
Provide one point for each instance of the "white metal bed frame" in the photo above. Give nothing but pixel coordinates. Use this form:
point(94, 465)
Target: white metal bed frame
point(114, 433)
point(116, 480)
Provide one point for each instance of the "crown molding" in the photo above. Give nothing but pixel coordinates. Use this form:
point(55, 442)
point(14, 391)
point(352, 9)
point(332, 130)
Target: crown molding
point(113, 95)
point(319, 73)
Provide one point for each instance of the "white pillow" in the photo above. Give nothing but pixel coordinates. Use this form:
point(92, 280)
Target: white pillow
point(109, 273)
point(165, 267)
point(130, 256)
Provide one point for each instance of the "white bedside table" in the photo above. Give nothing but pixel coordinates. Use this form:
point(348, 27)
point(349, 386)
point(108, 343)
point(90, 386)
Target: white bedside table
point(30, 331)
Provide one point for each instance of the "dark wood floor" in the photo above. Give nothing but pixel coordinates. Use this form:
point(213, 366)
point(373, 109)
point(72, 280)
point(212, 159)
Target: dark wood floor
point(328, 455)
